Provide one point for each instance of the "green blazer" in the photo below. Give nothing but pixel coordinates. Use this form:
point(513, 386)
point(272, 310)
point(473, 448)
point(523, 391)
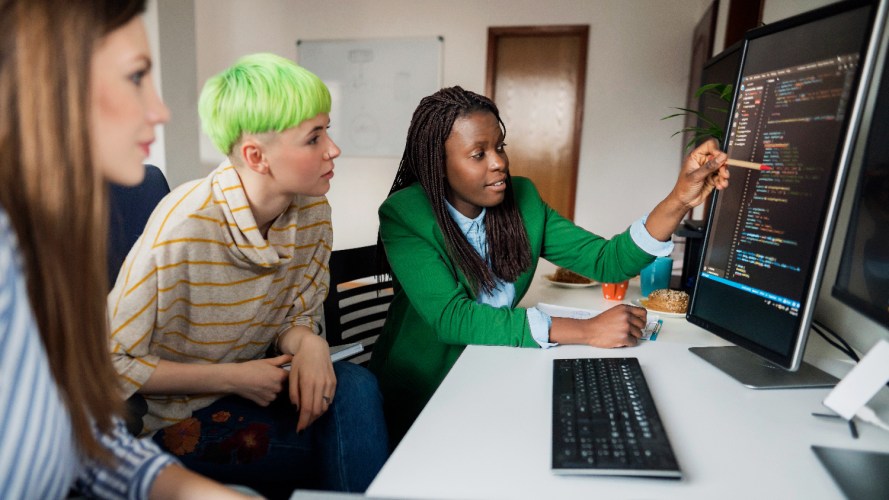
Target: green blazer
point(434, 314)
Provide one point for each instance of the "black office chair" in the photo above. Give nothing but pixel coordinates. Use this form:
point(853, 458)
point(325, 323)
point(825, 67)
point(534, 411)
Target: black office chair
point(356, 305)
point(130, 207)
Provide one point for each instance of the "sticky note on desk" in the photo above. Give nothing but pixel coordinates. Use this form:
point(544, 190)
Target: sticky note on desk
point(652, 328)
point(650, 332)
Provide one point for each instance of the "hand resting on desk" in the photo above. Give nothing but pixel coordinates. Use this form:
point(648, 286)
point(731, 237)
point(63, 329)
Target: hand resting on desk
point(620, 326)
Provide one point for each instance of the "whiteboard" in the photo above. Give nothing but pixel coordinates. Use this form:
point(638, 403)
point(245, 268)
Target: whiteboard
point(375, 85)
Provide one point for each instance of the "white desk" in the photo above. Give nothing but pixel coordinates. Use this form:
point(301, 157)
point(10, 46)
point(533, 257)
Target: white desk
point(486, 431)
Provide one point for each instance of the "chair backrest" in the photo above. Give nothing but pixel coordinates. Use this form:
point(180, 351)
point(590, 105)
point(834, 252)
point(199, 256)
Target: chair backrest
point(356, 305)
point(130, 208)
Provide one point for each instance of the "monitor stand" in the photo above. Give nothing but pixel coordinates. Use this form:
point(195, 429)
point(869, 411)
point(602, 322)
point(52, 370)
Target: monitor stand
point(758, 373)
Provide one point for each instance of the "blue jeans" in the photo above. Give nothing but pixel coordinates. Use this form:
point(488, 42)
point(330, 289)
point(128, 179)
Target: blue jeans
point(236, 441)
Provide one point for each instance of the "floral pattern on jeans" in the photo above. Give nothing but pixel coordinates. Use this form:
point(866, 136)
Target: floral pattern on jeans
point(220, 439)
point(183, 437)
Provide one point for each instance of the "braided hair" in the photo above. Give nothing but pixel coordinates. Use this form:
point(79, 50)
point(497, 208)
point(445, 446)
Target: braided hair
point(425, 161)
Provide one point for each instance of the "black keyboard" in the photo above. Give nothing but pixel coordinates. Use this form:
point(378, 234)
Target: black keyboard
point(605, 421)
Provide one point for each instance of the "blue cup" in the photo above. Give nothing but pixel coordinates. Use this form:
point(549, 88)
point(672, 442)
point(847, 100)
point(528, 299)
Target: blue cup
point(656, 275)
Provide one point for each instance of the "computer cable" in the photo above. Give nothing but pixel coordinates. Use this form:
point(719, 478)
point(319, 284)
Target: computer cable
point(845, 348)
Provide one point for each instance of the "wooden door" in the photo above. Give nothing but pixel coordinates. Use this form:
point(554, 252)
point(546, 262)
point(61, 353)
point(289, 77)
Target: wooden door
point(536, 75)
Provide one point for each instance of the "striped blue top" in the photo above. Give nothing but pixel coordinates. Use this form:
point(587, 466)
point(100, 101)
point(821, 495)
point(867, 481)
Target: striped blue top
point(38, 454)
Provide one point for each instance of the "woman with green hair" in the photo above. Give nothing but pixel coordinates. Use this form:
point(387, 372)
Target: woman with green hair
point(232, 266)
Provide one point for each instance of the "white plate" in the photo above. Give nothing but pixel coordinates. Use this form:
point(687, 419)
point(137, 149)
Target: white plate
point(641, 303)
point(549, 278)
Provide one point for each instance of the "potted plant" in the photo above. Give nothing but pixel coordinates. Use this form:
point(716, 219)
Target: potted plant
point(707, 126)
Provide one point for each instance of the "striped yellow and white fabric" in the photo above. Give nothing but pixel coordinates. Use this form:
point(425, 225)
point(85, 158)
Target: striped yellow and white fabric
point(202, 285)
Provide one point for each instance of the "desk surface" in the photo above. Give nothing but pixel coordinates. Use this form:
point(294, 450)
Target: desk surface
point(486, 431)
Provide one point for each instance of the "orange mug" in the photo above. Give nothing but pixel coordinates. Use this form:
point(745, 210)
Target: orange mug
point(615, 291)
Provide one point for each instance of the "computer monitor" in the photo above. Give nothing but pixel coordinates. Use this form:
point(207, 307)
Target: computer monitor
point(794, 110)
point(854, 300)
point(723, 68)
point(863, 279)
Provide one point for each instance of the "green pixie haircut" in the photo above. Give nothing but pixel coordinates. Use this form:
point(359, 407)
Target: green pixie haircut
point(259, 93)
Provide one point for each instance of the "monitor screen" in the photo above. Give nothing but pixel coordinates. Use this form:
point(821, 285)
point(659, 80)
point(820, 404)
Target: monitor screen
point(768, 231)
point(862, 280)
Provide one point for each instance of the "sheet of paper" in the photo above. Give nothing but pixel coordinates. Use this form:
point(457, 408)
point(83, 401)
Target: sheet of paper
point(652, 327)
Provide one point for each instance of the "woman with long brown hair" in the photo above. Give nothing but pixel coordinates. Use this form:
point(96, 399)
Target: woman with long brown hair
point(77, 109)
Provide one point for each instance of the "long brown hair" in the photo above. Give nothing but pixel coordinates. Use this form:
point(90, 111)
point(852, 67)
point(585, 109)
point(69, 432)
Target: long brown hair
point(424, 161)
point(56, 197)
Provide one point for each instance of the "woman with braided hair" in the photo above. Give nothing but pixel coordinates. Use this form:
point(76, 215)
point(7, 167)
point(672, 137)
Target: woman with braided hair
point(462, 239)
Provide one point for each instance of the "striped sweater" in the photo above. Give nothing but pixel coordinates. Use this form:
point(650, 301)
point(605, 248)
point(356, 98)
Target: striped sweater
point(202, 285)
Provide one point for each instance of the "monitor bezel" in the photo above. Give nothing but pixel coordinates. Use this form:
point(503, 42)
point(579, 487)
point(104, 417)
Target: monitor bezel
point(792, 360)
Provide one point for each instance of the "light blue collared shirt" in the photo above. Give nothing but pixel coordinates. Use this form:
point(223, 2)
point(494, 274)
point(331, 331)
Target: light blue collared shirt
point(504, 293)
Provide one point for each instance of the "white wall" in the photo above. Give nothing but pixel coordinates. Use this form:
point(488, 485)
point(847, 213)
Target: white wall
point(639, 54)
point(776, 10)
point(177, 43)
point(637, 69)
point(158, 149)
point(772, 10)
point(638, 63)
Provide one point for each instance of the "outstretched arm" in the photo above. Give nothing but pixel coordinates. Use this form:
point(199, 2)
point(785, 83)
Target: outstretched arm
point(703, 171)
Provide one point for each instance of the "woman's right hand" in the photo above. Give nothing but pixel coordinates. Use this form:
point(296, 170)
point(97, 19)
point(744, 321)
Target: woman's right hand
point(260, 380)
point(620, 326)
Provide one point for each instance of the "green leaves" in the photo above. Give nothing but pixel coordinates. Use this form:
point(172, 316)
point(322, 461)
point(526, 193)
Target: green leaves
point(706, 127)
point(722, 90)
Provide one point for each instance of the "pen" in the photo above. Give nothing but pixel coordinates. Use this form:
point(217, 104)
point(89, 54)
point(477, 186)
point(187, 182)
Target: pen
point(747, 164)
